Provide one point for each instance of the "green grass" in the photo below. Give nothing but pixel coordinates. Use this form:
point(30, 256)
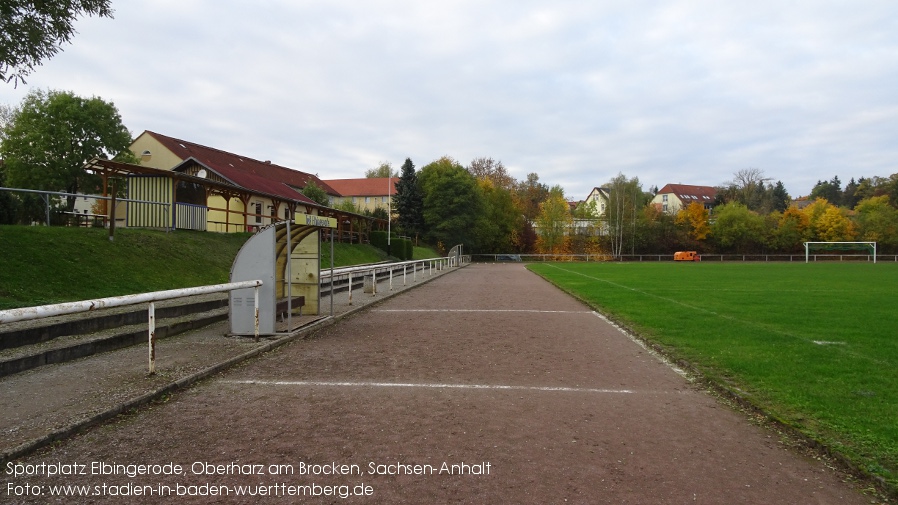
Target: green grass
point(44, 265)
point(350, 254)
point(423, 253)
point(813, 345)
point(41, 265)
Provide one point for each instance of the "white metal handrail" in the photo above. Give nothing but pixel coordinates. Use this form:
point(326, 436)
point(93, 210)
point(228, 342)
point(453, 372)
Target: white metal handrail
point(372, 270)
point(59, 309)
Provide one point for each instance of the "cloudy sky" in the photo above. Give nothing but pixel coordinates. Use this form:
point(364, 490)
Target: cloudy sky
point(668, 91)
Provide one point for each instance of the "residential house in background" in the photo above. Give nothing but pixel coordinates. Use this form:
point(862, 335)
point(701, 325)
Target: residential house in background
point(673, 197)
point(599, 196)
point(367, 194)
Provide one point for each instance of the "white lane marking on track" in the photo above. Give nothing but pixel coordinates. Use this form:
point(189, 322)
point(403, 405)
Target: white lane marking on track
point(648, 349)
point(431, 386)
point(535, 311)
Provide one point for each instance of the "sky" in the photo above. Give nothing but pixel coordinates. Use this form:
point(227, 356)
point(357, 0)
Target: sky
point(578, 92)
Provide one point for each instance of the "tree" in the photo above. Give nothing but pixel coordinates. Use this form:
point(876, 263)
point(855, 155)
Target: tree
point(779, 197)
point(748, 187)
point(831, 191)
point(828, 223)
point(316, 193)
point(7, 112)
point(407, 201)
point(488, 168)
point(694, 218)
point(791, 231)
point(738, 229)
point(877, 221)
point(54, 133)
point(500, 224)
point(529, 194)
point(384, 170)
point(657, 232)
point(452, 204)
point(553, 223)
point(586, 210)
point(625, 200)
point(34, 31)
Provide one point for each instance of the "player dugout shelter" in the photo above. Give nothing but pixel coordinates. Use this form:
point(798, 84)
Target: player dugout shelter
point(285, 256)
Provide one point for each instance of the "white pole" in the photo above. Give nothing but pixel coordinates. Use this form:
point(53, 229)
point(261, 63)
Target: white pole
point(256, 313)
point(389, 211)
point(151, 318)
point(290, 278)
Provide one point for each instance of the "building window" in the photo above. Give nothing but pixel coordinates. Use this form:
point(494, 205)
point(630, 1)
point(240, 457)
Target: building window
point(367, 199)
point(258, 212)
point(664, 199)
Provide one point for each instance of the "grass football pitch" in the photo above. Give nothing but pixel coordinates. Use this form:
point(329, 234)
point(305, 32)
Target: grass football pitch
point(814, 345)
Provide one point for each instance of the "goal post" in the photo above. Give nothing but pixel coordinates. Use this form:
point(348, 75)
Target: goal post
point(839, 246)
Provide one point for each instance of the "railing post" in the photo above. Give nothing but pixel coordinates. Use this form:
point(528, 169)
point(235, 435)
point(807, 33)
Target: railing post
point(256, 313)
point(151, 319)
point(350, 287)
point(391, 279)
point(403, 274)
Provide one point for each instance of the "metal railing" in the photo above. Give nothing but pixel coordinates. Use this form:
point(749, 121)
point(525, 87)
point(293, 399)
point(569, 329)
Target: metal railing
point(45, 195)
point(669, 257)
point(389, 269)
point(59, 309)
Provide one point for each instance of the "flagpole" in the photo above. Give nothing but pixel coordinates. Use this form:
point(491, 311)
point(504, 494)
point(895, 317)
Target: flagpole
point(389, 212)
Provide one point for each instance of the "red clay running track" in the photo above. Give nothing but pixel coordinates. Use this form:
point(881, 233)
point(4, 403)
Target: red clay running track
point(490, 381)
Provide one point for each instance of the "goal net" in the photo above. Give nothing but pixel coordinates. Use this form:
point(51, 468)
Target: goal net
point(869, 247)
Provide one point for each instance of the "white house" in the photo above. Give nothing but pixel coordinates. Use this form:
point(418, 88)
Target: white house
point(599, 196)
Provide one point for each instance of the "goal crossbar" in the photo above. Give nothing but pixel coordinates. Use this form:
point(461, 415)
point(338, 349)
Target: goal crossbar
point(839, 246)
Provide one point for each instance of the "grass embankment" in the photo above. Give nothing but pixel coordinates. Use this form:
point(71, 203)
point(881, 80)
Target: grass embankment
point(813, 345)
point(40, 265)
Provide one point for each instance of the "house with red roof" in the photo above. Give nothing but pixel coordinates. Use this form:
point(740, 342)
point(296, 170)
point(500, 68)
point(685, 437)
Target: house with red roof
point(673, 197)
point(366, 194)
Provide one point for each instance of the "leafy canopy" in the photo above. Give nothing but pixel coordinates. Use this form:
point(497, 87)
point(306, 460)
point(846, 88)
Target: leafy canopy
point(452, 203)
point(316, 193)
point(35, 31)
point(52, 134)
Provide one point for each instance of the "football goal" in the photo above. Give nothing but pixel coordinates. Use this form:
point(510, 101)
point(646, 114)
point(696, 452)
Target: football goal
point(839, 246)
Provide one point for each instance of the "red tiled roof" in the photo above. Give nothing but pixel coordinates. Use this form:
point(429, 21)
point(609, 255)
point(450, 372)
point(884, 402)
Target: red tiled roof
point(686, 192)
point(375, 186)
point(243, 171)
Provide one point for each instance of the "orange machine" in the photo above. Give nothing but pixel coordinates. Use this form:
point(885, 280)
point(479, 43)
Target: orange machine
point(687, 256)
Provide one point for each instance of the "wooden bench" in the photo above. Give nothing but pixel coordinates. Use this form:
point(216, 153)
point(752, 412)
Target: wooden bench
point(281, 308)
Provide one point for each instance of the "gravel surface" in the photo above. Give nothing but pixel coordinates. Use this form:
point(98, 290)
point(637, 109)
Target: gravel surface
point(485, 386)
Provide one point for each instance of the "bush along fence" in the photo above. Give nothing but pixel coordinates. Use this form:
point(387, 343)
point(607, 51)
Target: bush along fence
point(400, 248)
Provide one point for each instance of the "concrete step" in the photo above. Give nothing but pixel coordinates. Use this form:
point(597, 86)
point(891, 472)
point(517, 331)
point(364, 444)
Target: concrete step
point(69, 338)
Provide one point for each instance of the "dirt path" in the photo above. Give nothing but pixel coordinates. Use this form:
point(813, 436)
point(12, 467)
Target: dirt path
point(484, 386)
